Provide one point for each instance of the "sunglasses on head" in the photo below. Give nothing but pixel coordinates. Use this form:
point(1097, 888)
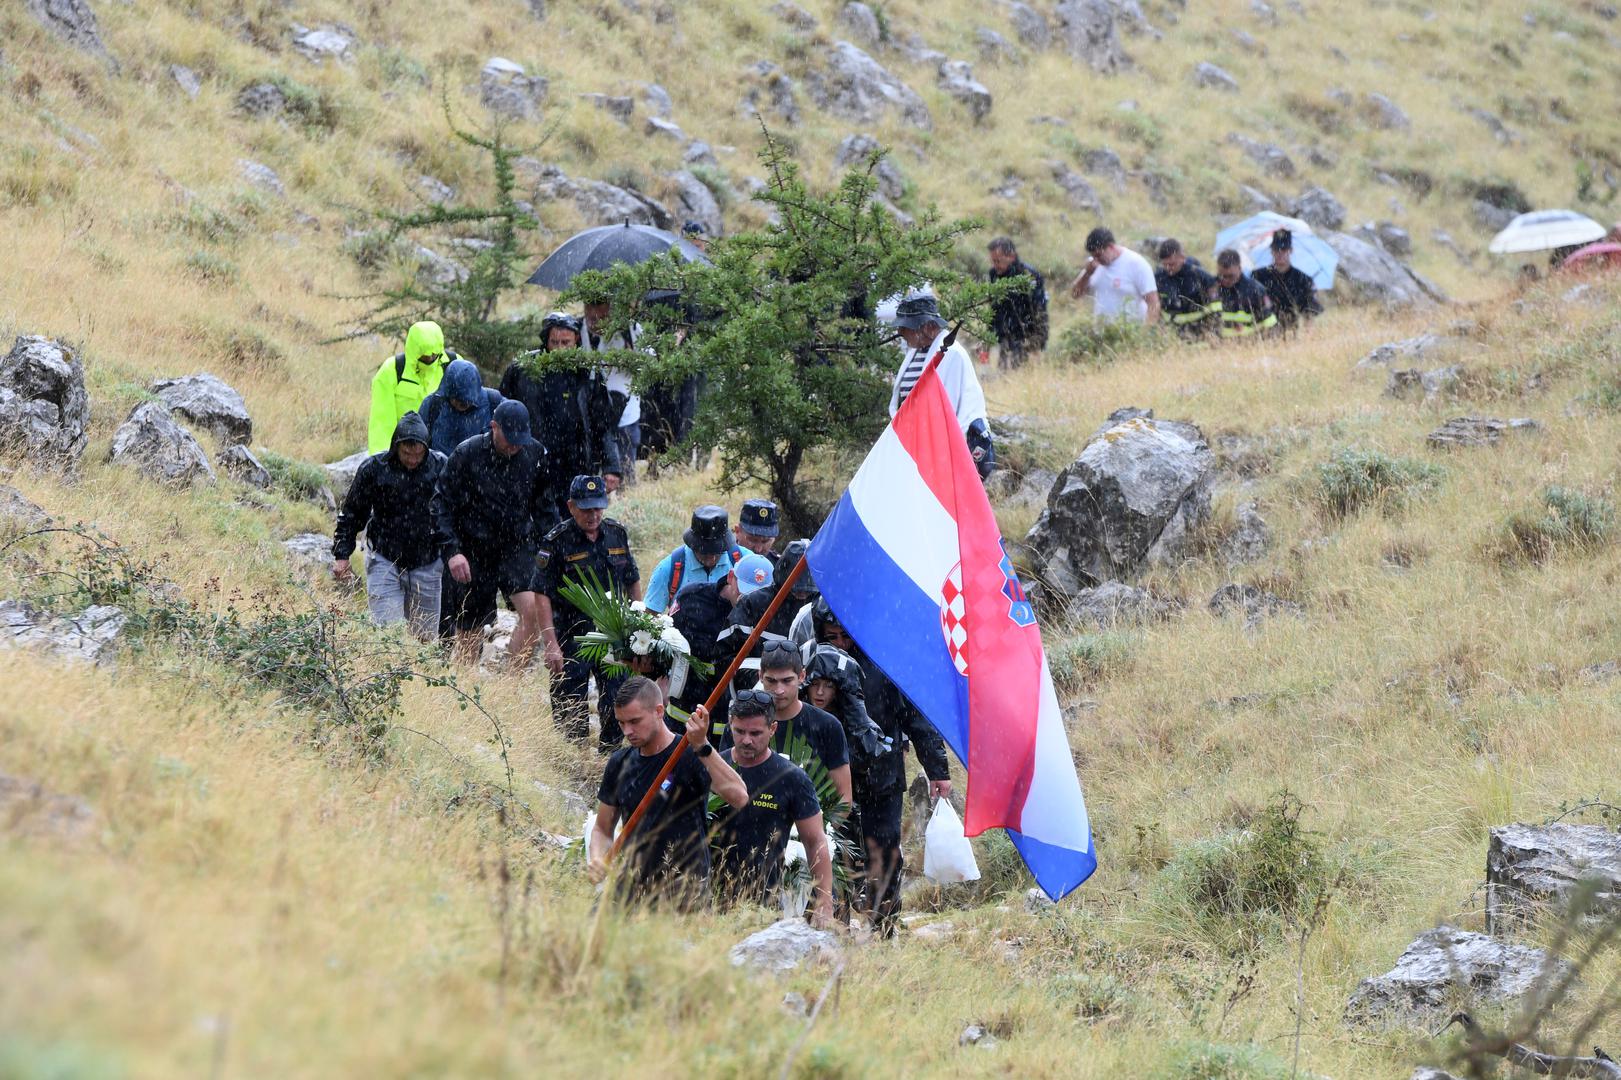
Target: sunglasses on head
point(780, 647)
point(758, 697)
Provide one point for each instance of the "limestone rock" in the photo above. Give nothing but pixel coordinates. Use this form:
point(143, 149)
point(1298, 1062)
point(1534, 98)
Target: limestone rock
point(1105, 164)
point(853, 85)
point(1211, 77)
point(1087, 30)
point(657, 100)
point(261, 100)
point(325, 42)
point(1427, 1072)
point(956, 78)
point(1113, 603)
point(993, 47)
point(1409, 383)
point(861, 22)
point(1491, 218)
point(1463, 431)
point(1370, 275)
point(1077, 188)
point(857, 148)
point(1384, 113)
point(1394, 239)
point(1422, 347)
point(699, 152)
point(598, 202)
point(507, 90)
point(1029, 24)
point(1445, 969)
point(18, 512)
point(261, 176)
point(239, 463)
point(657, 126)
point(44, 409)
point(784, 946)
point(159, 448)
point(437, 269)
point(1272, 159)
point(341, 474)
point(1132, 499)
point(89, 636)
point(695, 202)
point(1256, 605)
point(1533, 869)
point(309, 550)
point(794, 15)
point(1319, 209)
point(1250, 539)
point(433, 189)
point(1254, 200)
point(71, 20)
point(768, 86)
point(186, 79)
point(620, 108)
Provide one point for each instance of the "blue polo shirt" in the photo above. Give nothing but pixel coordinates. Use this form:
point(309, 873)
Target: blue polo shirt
point(692, 571)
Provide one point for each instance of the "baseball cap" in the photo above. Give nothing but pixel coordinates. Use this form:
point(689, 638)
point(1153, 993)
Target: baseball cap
point(588, 493)
point(753, 572)
point(512, 417)
point(759, 518)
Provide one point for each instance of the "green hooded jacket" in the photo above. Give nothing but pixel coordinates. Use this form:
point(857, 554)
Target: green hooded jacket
point(395, 393)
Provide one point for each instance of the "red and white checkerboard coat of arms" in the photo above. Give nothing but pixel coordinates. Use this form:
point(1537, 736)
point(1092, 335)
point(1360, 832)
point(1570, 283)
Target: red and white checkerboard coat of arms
point(952, 610)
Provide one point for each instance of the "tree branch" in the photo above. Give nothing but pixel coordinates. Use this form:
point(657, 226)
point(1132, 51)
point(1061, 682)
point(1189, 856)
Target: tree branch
point(1522, 1056)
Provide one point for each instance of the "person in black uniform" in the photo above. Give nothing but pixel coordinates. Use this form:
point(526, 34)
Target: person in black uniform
point(1184, 290)
point(1245, 307)
point(756, 527)
point(1020, 318)
point(1293, 296)
point(586, 541)
point(572, 412)
point(491, 506)
point(880, 780)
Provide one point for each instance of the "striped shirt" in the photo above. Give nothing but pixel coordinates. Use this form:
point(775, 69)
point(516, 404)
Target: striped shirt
point(911, 372)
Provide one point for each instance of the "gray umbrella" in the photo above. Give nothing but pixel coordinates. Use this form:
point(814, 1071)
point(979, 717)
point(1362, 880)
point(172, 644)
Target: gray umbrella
point(606, 246)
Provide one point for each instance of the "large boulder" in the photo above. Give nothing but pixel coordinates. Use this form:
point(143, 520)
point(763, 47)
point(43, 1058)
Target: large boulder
point(341, 474)
point(209, 402)
point(861, 22)
point(1370, 275)
point(956, 77)
point(44, 409)
point(1532, 870)
point(161, 449)
point(89, 636)
point(509, 91)
point(853, 85)
point(1447, 969)
point(695, 202)
point(1132, 499)
point(783, 946)
point(1087, 30)
point(598, 202)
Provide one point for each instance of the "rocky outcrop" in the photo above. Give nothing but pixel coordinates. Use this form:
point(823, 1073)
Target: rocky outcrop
point(1250, 538)
point(1132, 499)
point(956, 77)
point(1086, 28)
point(89, 637)
point(1422, 347)
point(1370, 275)
point(507, 90)
point(1384, 113)
point(1078, 190)
point(768, 87)
point(1463, 431)
point(1447, 969)
point(1532, 870)
point(598, 202)
point(852, 85)
point(261, 100)
point(261, 176)
point(44, 408)
point(309, 551)
point(1412, 383)
point(784, 946)
point(159, 448)
point(695, 202)
point(620, 107)
point(210, 403)
point(1029, 24)
point(860, 22)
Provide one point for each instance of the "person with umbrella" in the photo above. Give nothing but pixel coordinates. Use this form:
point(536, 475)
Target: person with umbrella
point(571, 410)
point(1291, 291)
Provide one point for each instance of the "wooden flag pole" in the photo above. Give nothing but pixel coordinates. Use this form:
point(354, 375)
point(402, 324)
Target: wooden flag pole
point(636, 816)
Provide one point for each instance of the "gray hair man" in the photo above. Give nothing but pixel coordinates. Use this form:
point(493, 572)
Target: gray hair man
point(923, 329)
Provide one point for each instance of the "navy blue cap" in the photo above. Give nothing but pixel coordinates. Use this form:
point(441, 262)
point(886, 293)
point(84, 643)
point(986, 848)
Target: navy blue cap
point(588, 493)
point(512, 417)
point(759, 518)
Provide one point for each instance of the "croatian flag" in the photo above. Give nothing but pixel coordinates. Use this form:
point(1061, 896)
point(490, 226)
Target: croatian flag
point(912, 563)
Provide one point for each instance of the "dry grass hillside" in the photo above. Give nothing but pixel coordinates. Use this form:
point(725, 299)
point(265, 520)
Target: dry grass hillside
point(251, 892)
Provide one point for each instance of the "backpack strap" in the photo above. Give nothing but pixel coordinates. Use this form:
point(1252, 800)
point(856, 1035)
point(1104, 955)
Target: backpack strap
point(678, 563)
point(736, 554)
point(399, 366)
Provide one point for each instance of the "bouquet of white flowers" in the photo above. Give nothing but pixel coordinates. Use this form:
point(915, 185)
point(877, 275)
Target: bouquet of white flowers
point(629, 639)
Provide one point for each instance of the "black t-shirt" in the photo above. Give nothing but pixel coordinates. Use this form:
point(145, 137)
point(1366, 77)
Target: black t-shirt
point(748, 844)
point(667, 858)
point(821, 729)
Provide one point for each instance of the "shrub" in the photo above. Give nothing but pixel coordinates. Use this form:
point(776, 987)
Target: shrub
point(715, 180)
point(314, 109)
point(1097, 342)
point(1080, 658)
point(293, 478)
point(1353, 479)
point(1216, 1061)
point(211, 268)
point(1567, 521)
point(1605, 392)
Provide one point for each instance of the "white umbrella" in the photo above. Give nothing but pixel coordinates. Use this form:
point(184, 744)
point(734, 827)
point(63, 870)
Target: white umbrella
point(1544, 230)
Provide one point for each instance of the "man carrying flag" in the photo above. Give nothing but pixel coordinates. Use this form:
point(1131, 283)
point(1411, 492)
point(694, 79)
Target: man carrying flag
point(922, 327)
point(912, 564)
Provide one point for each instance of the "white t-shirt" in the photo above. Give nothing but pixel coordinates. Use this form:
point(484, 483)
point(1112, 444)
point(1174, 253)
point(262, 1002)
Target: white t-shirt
point(1120, 290)
point(617, 380)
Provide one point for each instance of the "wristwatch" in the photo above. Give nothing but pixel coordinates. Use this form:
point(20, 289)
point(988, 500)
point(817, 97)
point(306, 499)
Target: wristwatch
point(706, 749)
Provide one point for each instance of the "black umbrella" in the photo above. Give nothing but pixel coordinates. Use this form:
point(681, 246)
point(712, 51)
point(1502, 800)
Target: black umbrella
point(607, 246)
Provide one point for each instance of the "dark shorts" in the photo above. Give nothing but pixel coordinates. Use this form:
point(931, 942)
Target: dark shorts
point(880, 815)
point(504, 572)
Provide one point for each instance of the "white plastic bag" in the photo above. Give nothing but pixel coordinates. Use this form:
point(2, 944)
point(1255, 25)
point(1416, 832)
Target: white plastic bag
point(947, 855)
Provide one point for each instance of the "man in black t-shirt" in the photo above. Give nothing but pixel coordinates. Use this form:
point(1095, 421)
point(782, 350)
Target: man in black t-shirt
point(666, 861)
point(782, 670)
point(747, 844)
